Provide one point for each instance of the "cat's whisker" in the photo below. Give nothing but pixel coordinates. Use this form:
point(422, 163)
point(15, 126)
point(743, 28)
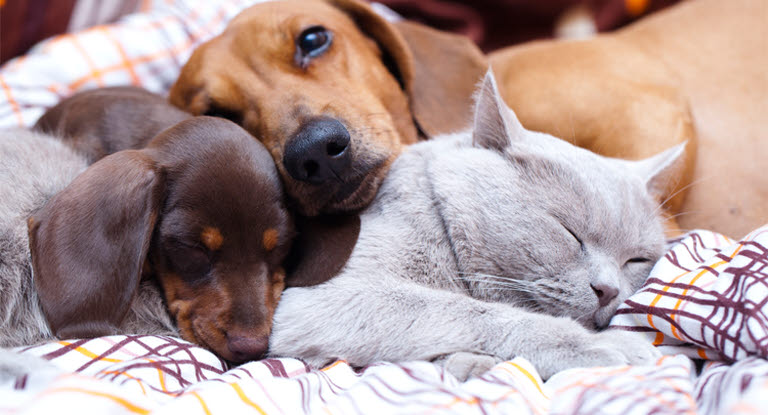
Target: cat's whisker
point(488, 278)
point(677, 192)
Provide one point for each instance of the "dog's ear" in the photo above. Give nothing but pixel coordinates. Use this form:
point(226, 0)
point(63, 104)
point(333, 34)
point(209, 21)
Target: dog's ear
point(321, 249)
point(438, 70)
point(446, 70)
point(89, 244)
point(189, 92)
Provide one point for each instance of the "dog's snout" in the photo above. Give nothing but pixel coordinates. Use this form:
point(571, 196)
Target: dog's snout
point(318, 152)
point(245, 348)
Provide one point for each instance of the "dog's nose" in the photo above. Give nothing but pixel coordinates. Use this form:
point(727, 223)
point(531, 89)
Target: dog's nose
point(605, 293)
point(244, 349)
point(318, 152)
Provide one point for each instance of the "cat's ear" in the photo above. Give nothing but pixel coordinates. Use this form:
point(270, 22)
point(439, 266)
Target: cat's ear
point(495, 125)
point(660, 169)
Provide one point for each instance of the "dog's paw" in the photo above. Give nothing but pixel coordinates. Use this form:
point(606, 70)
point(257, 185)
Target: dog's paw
point(464, 365)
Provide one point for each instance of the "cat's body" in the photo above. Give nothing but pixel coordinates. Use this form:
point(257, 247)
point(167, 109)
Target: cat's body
point(488, 249)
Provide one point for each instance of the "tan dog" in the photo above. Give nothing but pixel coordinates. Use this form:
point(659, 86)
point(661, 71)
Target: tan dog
point(334, 90)
point(697, 72)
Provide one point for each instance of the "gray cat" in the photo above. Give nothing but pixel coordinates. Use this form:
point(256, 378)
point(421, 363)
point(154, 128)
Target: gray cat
point(486, 245)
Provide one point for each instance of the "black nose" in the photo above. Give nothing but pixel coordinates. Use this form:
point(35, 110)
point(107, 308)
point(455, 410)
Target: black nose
point(318, 152)
point(244, 349)
point(605, 293)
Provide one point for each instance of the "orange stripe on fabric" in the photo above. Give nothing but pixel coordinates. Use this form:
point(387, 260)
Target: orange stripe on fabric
point(245, 399)
point(119, 373)
point(128, 405)
point(693, 282)
point(658, 298)
point(202, 403)
point(89, 353)
point(659, 338)
point(530, 377)
point(334, 364)
point(123, 54)
point(14, 104)
point(95, 73)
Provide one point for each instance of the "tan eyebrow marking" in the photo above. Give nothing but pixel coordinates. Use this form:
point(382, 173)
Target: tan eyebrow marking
point(211, 238)
point(270, 239)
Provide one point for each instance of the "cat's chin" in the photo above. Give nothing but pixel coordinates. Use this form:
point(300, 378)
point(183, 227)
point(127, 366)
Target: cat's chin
point(602, 317)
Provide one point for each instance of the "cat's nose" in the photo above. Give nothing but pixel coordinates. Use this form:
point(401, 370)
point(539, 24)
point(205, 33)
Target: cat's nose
point(605, 293)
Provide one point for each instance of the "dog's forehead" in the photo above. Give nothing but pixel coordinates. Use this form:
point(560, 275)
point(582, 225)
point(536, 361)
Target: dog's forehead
point(279, 14)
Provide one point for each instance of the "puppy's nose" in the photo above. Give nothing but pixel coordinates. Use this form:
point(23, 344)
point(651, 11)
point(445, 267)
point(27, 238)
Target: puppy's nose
point(605, 293)
point(318, 152)
point(244, 349)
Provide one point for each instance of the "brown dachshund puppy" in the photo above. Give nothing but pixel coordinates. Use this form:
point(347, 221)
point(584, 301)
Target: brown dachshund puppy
point(200, 210)
point(333, 90)
point(103, 121)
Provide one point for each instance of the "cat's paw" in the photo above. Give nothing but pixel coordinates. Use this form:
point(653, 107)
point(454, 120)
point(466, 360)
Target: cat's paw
point(580, 349)
point(464, 365)
point(625, 348)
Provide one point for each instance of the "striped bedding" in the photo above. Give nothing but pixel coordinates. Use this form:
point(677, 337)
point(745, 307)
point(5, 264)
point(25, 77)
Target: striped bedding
point(704, 304)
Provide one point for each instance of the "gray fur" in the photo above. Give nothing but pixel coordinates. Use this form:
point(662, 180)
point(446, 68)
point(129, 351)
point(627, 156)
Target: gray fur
point(465, 252)
point(35, 167)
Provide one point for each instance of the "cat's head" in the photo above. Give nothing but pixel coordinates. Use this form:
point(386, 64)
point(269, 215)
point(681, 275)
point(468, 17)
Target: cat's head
point(539, 222)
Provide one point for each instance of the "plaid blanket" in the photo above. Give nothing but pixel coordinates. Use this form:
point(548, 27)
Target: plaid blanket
point(704, 305)
point(146, 49)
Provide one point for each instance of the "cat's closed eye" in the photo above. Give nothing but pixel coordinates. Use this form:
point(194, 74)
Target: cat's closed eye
point(581, 243)
point(637, 260)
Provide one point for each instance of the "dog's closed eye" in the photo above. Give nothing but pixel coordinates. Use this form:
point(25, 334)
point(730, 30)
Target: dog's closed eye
point(192, 263)
point(215, 110)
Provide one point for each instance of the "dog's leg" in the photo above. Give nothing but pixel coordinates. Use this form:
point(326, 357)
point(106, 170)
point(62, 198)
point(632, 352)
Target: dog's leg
point(367, 318)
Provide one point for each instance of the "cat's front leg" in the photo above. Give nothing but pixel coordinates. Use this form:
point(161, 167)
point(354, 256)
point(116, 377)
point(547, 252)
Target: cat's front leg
point(365, 319)
point(553, 344)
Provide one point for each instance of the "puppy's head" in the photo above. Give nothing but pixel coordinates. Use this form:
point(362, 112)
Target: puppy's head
point(200, 209)
point(331, 89)
point(98, 122)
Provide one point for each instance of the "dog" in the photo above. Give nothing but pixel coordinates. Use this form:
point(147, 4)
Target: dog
point(186, 236)
point(478, 245)
point(693, 73)
point(333, 90)
point(102, 121)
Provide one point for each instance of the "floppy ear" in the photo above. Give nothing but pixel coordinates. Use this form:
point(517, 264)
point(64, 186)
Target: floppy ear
point(89, 242)
point(446, 69)
point(438, 70)
point(321, 249)
point(188, 92)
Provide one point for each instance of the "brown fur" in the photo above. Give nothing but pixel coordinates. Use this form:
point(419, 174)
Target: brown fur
point(175, 211)
point(102, 121)
point(695, 73)
point(388, 84)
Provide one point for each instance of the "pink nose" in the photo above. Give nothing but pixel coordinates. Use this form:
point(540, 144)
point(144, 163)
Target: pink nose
point(244, 349)
point(605, 293)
